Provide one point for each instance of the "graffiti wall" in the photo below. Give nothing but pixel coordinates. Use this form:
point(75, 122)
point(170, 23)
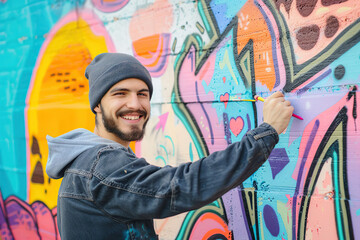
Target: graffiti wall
point(206, 58)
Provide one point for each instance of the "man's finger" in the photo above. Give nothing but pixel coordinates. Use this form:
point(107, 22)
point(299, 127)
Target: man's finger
point(277, 95)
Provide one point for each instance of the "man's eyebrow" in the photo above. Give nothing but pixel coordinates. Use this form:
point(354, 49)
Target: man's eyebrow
point(144, 90)
point(127, 90)
point(119, 90)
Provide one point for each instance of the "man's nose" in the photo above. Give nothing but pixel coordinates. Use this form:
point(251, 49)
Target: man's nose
point(133, 102)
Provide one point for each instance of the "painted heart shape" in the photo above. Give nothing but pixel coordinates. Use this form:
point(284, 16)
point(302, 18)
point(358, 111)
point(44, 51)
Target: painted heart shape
point(236, 125)
point(224, 98)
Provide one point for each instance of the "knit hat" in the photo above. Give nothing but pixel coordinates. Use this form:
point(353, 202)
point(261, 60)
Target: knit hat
point(107, 69)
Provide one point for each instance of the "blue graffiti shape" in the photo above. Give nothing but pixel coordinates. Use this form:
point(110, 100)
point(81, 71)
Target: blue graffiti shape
point(224, 11)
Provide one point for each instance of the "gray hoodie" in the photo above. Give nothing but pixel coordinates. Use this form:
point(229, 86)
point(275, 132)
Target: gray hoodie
point(65, 148)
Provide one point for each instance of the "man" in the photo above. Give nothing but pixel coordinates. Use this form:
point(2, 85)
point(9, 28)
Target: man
point(109, 193)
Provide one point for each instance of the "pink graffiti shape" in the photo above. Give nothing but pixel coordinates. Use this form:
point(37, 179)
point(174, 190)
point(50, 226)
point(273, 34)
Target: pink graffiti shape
point(162, 121)
point(236, 125)
point(45, 220)
point(224, 98)
point(109, 5)
point(21, 219)
point(18, 220)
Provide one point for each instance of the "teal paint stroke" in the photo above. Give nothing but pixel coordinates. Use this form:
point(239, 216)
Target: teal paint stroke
point(172, 144)
point(337, 199)
point(191, 152)
point(166, 152)
point(162, 159)
point(204, 19)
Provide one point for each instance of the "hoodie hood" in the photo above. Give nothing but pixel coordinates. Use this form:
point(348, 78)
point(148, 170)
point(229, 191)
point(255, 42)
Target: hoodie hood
point(65, 148)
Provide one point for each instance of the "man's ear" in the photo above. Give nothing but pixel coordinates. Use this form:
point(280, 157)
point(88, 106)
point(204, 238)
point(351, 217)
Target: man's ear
point(97, 109)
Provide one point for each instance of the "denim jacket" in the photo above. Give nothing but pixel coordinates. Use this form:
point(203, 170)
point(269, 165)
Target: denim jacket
point(109, 193)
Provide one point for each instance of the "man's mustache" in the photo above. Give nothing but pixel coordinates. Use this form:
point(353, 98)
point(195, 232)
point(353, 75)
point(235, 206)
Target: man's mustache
point(124, 112)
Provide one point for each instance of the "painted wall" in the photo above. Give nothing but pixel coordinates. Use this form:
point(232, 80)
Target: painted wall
point(203, 56)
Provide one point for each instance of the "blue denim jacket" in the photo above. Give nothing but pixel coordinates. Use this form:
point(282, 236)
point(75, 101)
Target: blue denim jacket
point(109, 193)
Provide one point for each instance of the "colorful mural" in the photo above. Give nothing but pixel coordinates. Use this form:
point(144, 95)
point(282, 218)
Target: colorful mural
point(204, 57)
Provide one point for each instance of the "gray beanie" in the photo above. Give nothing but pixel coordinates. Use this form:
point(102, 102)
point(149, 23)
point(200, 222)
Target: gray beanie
point(107, 69)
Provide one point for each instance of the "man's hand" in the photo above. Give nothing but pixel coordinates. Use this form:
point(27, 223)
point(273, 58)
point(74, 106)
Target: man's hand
point(277, 111)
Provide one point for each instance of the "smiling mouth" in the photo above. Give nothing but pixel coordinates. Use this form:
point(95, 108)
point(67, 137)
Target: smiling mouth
point(131, 117)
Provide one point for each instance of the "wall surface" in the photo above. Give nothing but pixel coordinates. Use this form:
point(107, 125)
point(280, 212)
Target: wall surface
point(204, 56)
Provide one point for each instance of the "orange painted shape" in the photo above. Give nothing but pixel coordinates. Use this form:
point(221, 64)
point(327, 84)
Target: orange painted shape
point(150, 47)
point(145, 47)
point(208, 225)
point(252, 25)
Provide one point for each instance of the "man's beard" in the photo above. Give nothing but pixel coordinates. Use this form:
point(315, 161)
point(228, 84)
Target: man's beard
point(136, 134)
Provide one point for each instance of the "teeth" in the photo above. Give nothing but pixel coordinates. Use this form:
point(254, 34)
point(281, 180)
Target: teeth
point(131, 117)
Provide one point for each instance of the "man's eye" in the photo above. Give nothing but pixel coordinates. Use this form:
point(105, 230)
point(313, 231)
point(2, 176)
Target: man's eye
point(119, 93)
point(142, 94)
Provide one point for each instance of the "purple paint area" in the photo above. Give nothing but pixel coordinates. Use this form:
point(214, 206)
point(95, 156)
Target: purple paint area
point(309, 108)
point(227, 128)
point(271, 220)
point(278, 159)
point(353, 163)
point(313, 82)
point(235, 214)
point(248, 122)
point(21, 221)
point(17, 215)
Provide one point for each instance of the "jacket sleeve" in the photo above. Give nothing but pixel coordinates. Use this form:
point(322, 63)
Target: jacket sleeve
point(126, 187)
